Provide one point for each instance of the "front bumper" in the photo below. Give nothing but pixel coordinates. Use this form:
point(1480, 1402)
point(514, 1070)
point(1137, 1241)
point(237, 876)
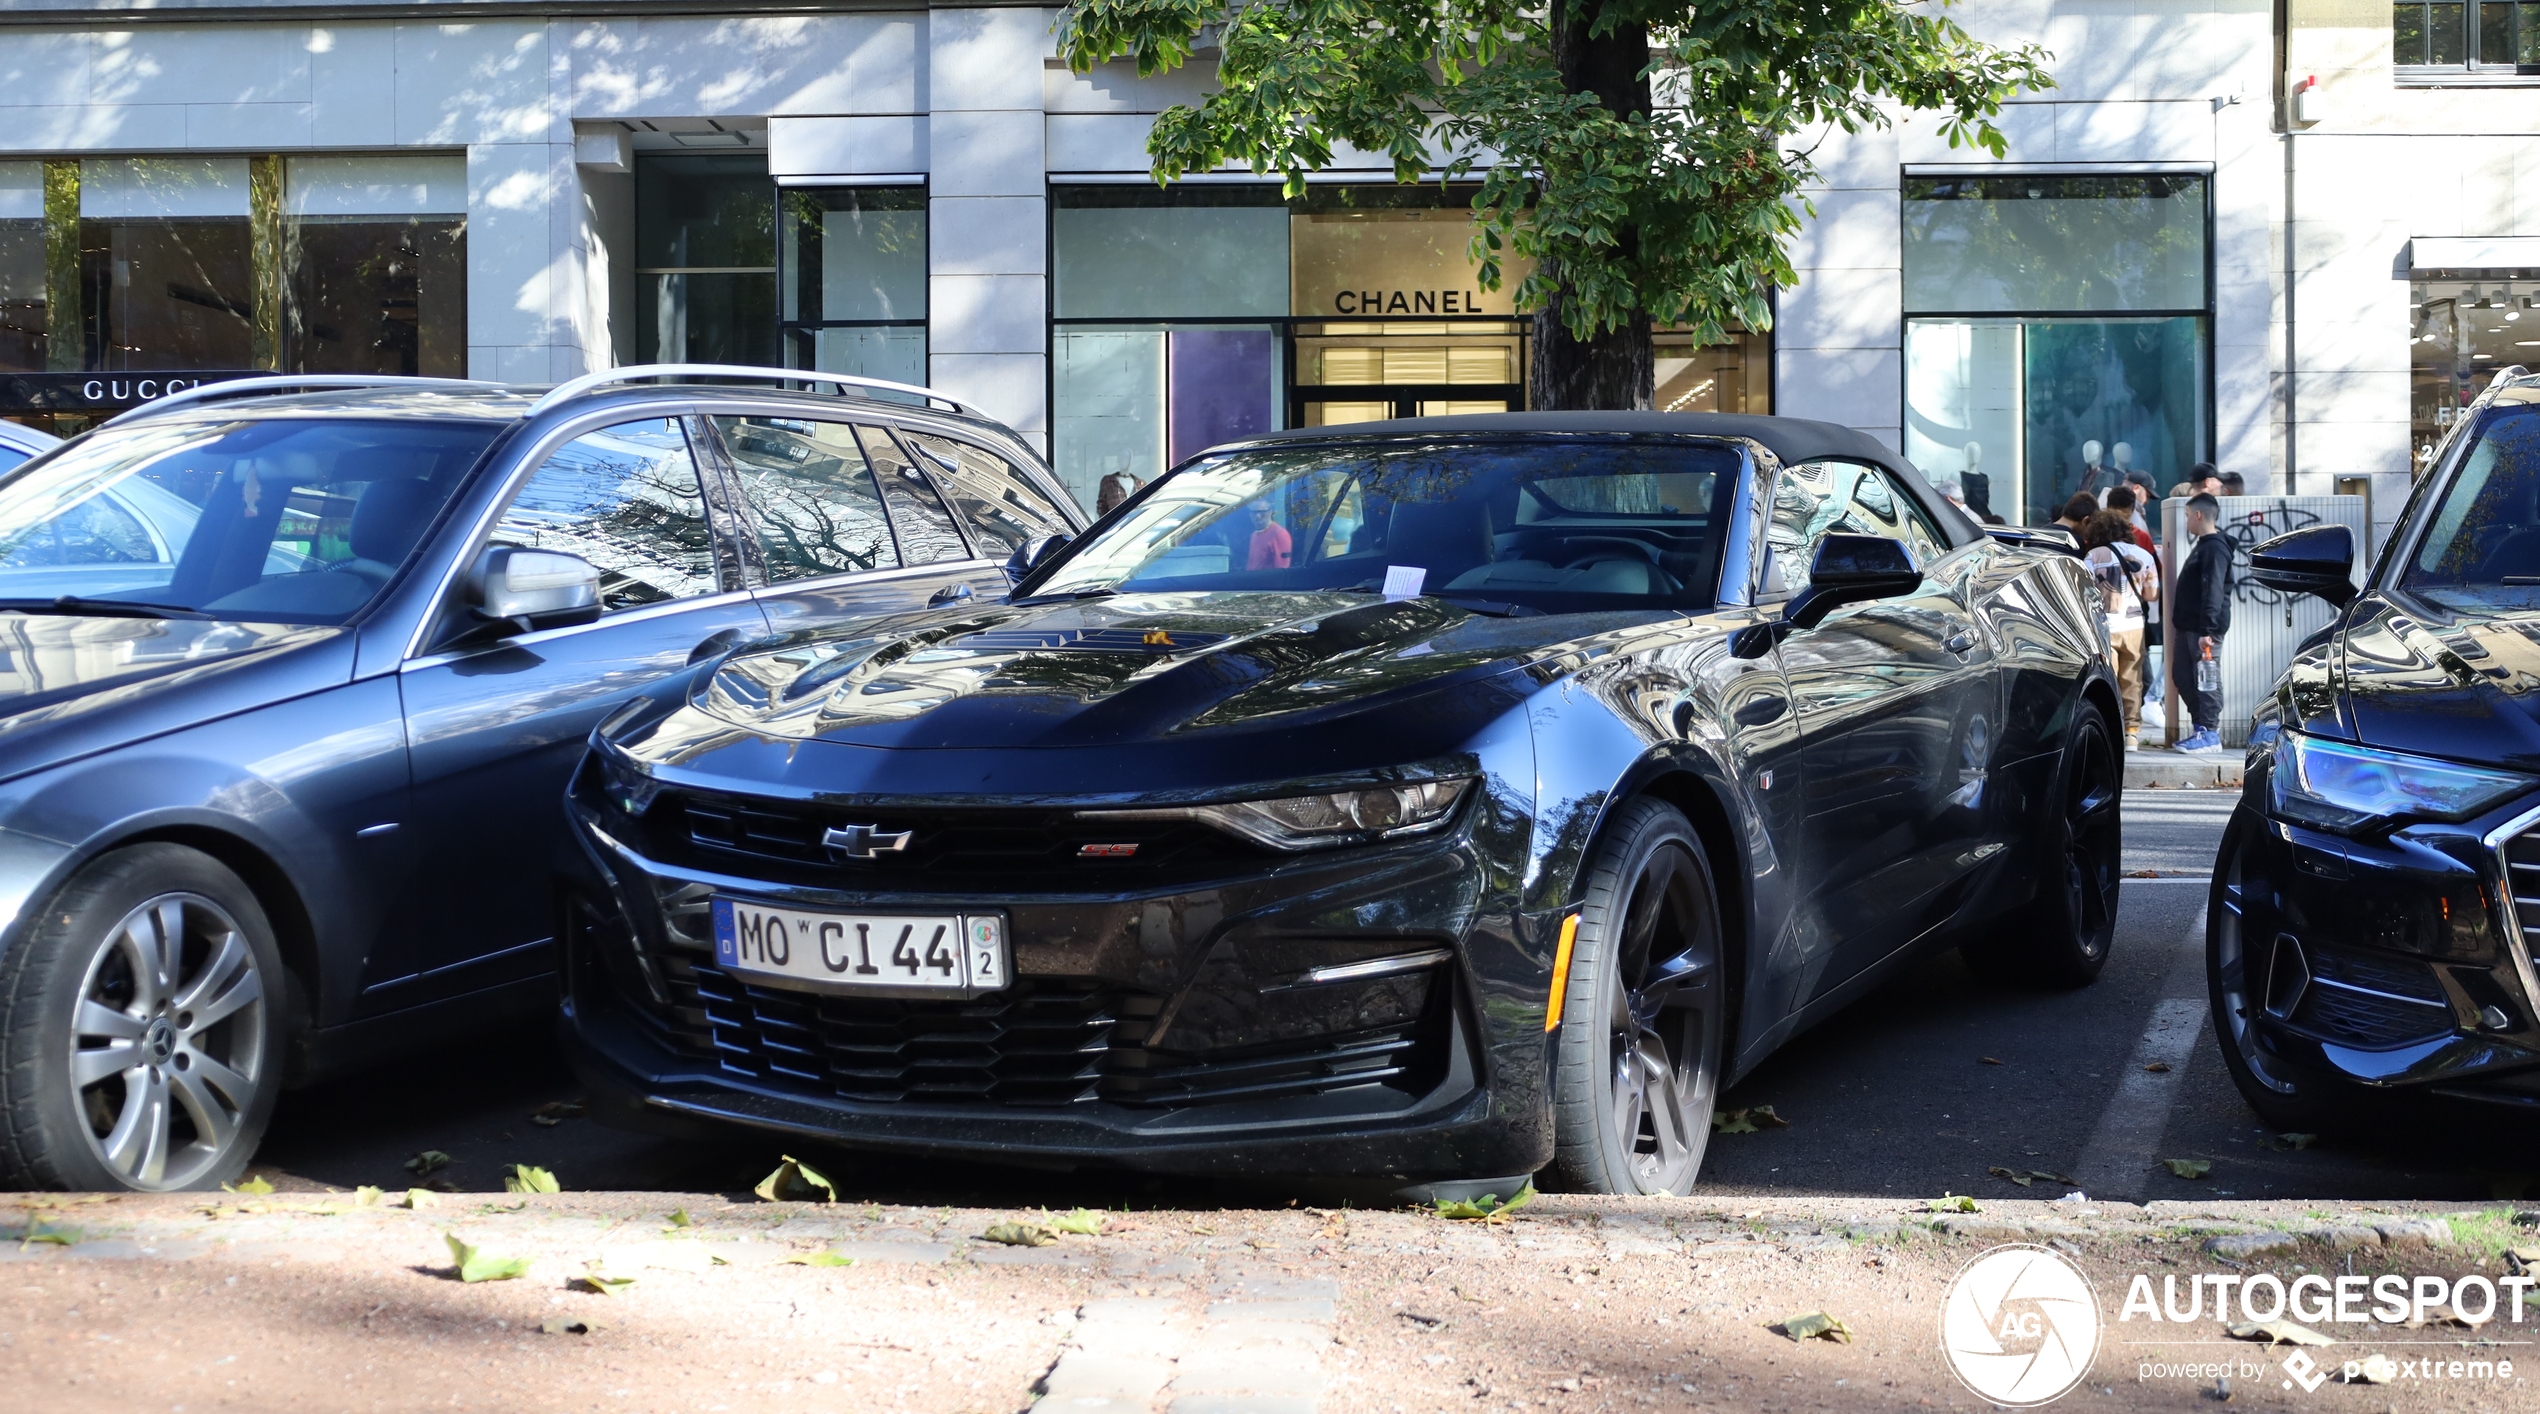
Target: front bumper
point(2397, 962)
point(1168, 1029)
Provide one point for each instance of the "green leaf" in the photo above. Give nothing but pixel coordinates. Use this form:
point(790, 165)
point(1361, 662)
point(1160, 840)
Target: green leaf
point(257, 1186)
point(47, 1234)
point(1487, 1208)
point(526, 1179)
point(1815, 1325)
point(1952, 1203)
point(419, 1198)
point(1084, 1222)
point(795, 1179)
point(815, 1259)
point(1019, 1235)
point(369, 1197)
point(475, 1265)
point(679, 1218)
point(595, 1278)
point(428, 1162)
point(2189, 1168)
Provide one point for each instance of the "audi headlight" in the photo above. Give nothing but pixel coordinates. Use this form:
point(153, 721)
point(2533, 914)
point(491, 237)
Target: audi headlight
point(1298, 822)
point(2344, 788)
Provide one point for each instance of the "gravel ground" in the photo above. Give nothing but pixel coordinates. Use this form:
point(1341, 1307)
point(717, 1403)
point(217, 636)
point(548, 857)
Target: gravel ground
point(309, 1302)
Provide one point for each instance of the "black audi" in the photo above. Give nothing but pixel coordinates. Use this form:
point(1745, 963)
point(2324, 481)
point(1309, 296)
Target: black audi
point(2376, 891)
point(1419, 802)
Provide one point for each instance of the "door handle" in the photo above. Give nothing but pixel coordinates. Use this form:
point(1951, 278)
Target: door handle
point(1961, 642)
point(1760, 711)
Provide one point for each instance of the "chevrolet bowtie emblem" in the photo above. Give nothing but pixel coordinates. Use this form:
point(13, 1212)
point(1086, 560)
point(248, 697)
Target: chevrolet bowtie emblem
point(1158, 638)
point(864, 841)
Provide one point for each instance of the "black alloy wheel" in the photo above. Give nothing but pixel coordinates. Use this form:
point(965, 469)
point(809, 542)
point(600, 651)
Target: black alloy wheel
point(2061, 938)
point(1637, 1059)
point(2242, 907)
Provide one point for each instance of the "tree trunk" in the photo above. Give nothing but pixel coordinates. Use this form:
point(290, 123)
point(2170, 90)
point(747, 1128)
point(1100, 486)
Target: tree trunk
point(1613, 370)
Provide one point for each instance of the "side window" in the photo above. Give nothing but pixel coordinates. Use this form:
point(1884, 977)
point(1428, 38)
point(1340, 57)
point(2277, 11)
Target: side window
point(926, 531)
point(1815, 499)
point(818, 509)
point(627, 499)
point(1001, 508)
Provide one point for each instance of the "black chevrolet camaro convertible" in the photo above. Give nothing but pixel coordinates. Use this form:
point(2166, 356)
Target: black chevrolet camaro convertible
point(1418, 803)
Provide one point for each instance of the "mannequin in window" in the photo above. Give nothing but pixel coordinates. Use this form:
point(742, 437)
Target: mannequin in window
point(1116, 487)
point(2091, 470)
point(2120, 462)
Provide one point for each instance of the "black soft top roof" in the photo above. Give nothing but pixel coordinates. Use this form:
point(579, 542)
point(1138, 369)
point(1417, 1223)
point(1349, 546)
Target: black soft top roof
point(1793, 439)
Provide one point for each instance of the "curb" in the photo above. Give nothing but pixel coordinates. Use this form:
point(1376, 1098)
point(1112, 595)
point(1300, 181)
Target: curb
point(2157, 768)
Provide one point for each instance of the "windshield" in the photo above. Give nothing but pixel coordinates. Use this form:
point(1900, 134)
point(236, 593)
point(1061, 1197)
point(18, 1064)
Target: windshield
point(1560, 525)
point(296, 521)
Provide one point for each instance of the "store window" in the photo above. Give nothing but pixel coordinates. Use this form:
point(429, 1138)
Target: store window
point(2058, 334)
point(2464, 325)
point(167, 269)
point(2498, 37)
point(1733, 377)
point(377, 250)
point(851, 271)
point(705, 258)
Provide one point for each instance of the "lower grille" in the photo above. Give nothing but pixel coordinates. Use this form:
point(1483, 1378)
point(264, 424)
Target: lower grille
point(1044, 1043)
point(2358, 1000)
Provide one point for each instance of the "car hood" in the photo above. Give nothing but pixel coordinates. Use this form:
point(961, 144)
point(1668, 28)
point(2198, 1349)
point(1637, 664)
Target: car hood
point(1108, 672)
point(69, 684)
point(2460, 683)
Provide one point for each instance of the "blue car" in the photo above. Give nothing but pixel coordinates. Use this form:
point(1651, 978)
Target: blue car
point(294, 671)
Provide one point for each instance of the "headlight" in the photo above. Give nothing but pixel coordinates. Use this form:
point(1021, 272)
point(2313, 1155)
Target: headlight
point(1318, 821)
point(2340, 787)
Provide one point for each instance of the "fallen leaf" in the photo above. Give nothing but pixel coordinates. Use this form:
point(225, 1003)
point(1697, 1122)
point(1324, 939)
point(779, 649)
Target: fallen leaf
point(562, 1326)
point(476, 1266)
point(1426, 1323)
point(2373, 1370)
point(1488, 1208)
point(679, 1218)
point(429, 1161)
point(2053, 1177)
point(2021, 1179)
point(1953, 1203)
point(2278, 1333)
point(50, 1236)
point(1019, 1235)
point(595, 1278)
point(2519, 1260)
point(258, 1186)
point(2189, 1168)
point(1988, 1060)
point(2159, 1067)
point(526, 1179)
point(794, 1176)
point(369, 1197)
point(1816, 1325)
point(421, 1198)
point(1084, 1222)
point(815, 1259)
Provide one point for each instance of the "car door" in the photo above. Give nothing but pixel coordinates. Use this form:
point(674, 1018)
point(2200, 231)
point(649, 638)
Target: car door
point(1890, 698)
point(496, 725)
point(847, 523)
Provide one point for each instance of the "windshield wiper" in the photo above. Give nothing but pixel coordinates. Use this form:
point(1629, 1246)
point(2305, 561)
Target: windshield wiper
point(99, 608)
point(1064, 595)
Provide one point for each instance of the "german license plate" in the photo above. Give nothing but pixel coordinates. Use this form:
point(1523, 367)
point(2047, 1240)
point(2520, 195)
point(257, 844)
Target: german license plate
point(956, 953)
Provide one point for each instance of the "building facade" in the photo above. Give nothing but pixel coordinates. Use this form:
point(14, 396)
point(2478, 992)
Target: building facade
point(2182, 257)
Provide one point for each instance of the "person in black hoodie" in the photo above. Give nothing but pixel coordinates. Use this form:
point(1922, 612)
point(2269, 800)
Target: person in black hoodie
point(2199, 615)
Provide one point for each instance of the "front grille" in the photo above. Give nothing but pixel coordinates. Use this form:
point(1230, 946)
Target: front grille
point(2522, 884)
point(1046, 1042)
point(2358, 1000)
point(982, 848)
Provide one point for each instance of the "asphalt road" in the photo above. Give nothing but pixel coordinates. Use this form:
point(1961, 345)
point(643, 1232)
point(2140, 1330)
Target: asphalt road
point(1916, 1090)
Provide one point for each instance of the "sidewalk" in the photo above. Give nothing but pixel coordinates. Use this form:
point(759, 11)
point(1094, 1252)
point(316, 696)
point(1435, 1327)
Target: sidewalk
point(2158, 767)
point(290, 1302)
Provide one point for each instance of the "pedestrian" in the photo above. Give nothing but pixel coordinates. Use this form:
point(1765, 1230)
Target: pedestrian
point(2076, 511)
point(1270, 543)
point(2121, 500)
point(2127, 583)
point(2233, 485)
point(2206, 480)
point(2199, 616)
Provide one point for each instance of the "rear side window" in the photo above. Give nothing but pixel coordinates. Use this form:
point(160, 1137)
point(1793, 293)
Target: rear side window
point(627, 499)
point(1001, 508)
point(818, 509)
point(925, 528)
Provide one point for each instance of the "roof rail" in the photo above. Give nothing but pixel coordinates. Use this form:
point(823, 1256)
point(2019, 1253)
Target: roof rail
point(252, 387)
point(563, 392)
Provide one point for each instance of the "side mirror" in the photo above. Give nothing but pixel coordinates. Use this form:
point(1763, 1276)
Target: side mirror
point(2035, 537)
point(1851, 569)
point(533, 589)
point(1031, 555)
point(2317, 559)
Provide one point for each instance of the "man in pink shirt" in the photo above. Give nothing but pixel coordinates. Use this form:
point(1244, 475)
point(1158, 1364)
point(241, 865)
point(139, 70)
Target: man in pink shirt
point(1270, 542)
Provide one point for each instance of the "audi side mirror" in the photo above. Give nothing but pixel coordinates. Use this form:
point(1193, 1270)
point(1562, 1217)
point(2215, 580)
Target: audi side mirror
point(1851, 569)
point(1031, 555)
point(2317, 559)
point(533, 589)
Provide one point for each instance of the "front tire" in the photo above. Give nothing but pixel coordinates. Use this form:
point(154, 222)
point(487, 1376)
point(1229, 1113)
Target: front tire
point(2062, 936)
point(1637, 1060)
point(2286, 1098)
point(140, 1029)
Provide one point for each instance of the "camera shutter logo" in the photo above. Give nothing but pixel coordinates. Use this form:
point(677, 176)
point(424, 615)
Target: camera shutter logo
point(2019, 1326)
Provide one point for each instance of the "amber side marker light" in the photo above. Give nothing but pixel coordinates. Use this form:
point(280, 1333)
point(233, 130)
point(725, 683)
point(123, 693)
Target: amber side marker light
point(1561, 972)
